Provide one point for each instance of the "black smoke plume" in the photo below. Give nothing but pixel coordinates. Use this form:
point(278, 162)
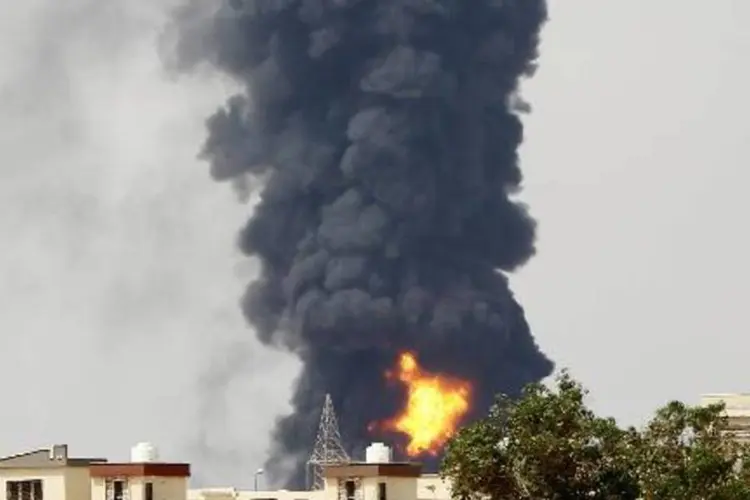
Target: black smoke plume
point(384, 136)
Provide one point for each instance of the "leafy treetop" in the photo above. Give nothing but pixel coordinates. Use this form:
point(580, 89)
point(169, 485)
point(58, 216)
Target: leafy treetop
point(549, 445)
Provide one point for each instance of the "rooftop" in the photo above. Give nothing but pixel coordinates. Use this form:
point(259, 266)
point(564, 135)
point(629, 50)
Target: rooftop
point(56, 456)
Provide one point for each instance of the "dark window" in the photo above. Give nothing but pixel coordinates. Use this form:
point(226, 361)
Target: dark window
point(24, 490)
point(350, 488)
point(381, 491)
point(149, 492)
point(11, 490)
point(36, 490)
point(118, 490)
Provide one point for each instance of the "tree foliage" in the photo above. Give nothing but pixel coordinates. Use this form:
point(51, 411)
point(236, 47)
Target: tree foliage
point(548, 444)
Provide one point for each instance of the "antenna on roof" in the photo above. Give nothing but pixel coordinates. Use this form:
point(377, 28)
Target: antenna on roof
point(328, 449)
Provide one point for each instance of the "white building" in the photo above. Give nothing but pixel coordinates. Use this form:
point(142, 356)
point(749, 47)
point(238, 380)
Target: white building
point(377, 478)
point(737, 412)
point(51, 474)
point(365, 478)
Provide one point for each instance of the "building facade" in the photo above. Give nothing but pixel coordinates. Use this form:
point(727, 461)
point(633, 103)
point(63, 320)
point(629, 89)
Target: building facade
point(50, 474)
point(737, 412)
point(45, 473)
point(139, 481)
point(377, 478)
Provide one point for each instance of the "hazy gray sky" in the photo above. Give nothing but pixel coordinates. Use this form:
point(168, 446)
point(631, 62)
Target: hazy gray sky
point(636, 163)
point(120, 281)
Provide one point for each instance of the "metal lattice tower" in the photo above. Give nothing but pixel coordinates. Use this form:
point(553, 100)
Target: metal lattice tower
point(328, 449)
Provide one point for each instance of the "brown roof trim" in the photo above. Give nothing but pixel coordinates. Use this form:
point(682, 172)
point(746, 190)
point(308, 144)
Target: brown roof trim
point(140, 470)
point(373, 470)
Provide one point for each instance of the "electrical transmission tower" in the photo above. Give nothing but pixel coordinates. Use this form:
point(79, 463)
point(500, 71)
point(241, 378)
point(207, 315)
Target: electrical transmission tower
point(328, 449)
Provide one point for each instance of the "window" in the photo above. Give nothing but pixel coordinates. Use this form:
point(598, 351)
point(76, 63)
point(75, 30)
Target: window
point(381, 491)
point(148, 494)
point(116, 489)
point(350, 487)
point(24, 490)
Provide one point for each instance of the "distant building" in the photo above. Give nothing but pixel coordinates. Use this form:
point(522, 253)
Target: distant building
point(737, 412)
point(47, 473)
point(377, 478)
point(139, 481)
point(50, 474)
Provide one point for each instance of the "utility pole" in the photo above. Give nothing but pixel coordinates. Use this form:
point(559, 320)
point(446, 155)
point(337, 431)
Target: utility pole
point(258, 473)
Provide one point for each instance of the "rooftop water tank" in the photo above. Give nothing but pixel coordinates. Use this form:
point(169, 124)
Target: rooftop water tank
point(144, 452)
point(378, 453)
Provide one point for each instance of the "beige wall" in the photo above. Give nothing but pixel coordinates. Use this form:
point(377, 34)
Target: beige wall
point(737, 405)
point(737, 410)
point(432, 487)
point(165, 488)
point(63, 483)
point(53, 480)
point(170, 488)
point(98, 491)
point(397, 489)
point(77, 484)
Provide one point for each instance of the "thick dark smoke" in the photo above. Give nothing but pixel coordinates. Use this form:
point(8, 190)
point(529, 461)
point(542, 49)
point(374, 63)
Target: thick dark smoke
point(384, 134)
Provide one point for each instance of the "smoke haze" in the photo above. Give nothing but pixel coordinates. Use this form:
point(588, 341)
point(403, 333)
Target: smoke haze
point(385, 136)
point(119, 279)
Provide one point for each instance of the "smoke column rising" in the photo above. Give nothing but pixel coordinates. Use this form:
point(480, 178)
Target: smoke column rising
point(384, 136)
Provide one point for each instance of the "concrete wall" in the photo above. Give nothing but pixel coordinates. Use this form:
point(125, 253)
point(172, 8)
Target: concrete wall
point(77, 484)
point(737, 405)
point(737, 411)
point(133, 489)
point(165, 488)
point(170, 488)
point(427, 487)
point(74, 483)
point(98, 488)
point(53, 480)
point(396, 488)
point(432, 487)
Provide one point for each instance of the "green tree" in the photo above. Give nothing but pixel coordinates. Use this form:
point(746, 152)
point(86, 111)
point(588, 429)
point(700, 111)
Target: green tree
point(549, 445)
point(686, 452)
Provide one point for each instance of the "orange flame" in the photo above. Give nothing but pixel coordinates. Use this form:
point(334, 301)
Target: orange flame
point(435, 405)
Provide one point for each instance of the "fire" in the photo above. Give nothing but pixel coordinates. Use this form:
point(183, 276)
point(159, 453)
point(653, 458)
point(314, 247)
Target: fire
point(434, 406)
